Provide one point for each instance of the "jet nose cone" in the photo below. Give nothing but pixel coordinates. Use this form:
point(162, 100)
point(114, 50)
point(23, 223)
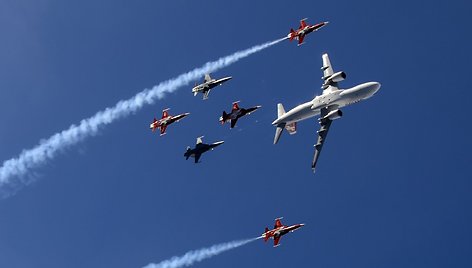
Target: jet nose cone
point(374, 87)
point(370, 88)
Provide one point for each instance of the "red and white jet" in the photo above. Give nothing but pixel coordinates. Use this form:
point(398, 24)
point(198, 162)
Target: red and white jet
point(166, 120)
point(279, 230)
point(303, 30)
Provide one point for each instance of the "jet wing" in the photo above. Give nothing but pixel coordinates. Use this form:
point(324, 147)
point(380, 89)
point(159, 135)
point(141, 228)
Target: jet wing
point(276, 240)
point(206, 93)
point(207, 78)
point(300, 39)
point(327, 68)
point(233, 122)
point(163, 129)
point(197, 157)
point(322, 134)
point(327, 72)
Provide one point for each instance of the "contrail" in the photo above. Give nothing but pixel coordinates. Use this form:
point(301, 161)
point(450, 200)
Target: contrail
point(194, 256)
point(20, 167)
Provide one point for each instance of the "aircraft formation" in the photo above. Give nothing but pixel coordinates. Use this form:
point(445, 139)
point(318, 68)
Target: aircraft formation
point(327, 106)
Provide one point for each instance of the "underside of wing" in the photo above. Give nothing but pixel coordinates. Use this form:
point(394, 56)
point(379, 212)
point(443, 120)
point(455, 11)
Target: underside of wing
point(233, 122)
point(327, 68)
point(276, 240)
point(322, 134)
point(197, 157)
point(328, 84)
point(205, 94)
point(301, 37)
point(163, 129)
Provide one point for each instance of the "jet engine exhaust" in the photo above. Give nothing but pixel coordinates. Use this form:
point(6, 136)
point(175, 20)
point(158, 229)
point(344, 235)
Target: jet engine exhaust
point(199, 255)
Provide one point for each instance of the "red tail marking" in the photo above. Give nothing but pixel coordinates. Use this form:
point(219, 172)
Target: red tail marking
point(154, 125)
point(293, 34)
point(266, 235)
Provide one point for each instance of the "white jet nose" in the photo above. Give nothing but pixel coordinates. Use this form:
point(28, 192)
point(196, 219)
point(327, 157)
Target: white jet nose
point(373, 87)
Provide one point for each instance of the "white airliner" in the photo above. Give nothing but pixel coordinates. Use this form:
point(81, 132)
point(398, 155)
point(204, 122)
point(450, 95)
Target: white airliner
point(327, 104)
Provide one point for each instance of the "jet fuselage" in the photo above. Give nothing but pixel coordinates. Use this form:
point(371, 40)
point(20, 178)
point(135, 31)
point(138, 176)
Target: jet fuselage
point(339, 98)
point(167, 120)
point(210, 84)
point(286, 229)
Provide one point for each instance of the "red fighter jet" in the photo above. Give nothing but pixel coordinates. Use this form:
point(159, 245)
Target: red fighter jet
point(303, 30)
point(279, 230)
point(166, 120)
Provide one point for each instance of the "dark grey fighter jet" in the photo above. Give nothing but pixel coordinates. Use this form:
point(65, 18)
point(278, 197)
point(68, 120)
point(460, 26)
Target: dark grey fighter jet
point(208, 84)
point(200, 148)
point(236, 113)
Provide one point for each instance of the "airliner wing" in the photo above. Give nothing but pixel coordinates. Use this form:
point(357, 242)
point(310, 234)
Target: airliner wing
point(327, 72)
point(206, 93)
point(327, 68)
point(322, 134)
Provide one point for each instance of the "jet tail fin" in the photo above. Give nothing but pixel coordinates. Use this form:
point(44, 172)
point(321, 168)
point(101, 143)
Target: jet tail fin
point(292, 34)
point(187, 153)
point(278, 132)
point(280, 110)
point(223, 117)
point(266, 237)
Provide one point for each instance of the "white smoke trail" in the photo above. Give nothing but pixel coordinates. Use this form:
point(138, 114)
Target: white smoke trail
point(48, 149)
point(194, 256)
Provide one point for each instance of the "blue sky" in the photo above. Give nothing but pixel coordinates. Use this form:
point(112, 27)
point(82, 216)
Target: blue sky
point(392, 187)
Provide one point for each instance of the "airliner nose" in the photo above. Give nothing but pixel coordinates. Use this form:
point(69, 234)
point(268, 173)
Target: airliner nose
point(374, 87)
